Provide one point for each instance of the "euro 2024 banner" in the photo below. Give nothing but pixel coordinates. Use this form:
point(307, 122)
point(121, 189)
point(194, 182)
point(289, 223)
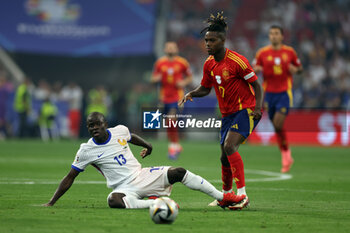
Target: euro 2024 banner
point(78, 27)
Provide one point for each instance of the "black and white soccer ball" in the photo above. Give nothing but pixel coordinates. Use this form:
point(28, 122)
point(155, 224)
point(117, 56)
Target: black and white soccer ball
point(163, 210)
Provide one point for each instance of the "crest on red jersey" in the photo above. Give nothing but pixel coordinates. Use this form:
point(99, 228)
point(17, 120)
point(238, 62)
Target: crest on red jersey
point(177, 68)
point(225, 73)
point(284, 57)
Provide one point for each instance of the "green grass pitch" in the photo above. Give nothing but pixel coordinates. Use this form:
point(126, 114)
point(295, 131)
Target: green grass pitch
point(315, 199)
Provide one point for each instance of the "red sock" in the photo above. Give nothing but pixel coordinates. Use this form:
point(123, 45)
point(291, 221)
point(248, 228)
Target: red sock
point(173, 134)
point(227, 178)
point(237, 167)
point(282, 140)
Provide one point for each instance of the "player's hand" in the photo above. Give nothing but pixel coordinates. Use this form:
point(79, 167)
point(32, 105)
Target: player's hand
point(146, 151)
point(256, 113)
point(257, 68)
point(181, 84)
point(293, 69)
point(156, 78)
point(188, 96)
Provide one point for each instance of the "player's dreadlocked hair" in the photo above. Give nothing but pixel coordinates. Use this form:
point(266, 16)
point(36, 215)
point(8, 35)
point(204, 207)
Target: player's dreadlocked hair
point(216, 24)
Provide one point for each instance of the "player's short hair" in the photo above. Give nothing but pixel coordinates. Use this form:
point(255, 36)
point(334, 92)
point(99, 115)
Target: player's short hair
point(216, 24)
point(277, 27)
point(96, 115)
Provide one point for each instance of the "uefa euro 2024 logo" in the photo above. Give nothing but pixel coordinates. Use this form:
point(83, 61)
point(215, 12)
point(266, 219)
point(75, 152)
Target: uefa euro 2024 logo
point(151, 120)
point(53, 11)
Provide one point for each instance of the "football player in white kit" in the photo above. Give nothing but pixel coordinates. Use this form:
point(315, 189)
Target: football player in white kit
point(108, 151)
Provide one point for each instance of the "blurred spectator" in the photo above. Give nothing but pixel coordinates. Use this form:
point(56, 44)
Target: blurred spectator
point(23, 105)
point(73, 94)
point(98, 101)
point(56, 91)
point(4, 95)
point(318, 30)
point(47, 124)
point(42, 91)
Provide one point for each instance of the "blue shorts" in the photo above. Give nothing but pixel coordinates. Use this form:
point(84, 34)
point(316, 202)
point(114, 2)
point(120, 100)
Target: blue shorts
point(239, 122)
point(278, 102)
point(168, 107)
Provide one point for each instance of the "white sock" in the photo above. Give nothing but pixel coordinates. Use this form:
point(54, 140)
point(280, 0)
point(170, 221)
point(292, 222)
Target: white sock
point(241, 191)
point(132, 202)
point(196, 182)
point(227, 191)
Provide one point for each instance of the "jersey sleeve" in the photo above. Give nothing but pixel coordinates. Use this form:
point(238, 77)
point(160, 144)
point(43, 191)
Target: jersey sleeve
point(247, 71)
point(156, 68)
point(122, 129)
point(295, 60)
point(187, 68)
point(258, 59)
point(206, 80)
point(81, 160)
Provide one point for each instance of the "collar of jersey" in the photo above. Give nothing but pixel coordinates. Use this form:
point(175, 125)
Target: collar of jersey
point(103, 143)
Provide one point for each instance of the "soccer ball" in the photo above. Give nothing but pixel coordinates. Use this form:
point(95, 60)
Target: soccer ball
point(163, 210)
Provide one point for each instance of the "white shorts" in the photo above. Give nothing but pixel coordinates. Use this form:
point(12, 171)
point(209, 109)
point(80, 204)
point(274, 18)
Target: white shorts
point(152, 181)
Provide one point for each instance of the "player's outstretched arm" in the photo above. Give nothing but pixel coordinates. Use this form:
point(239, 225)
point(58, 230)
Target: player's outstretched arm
point(185, 82)
point(65, 184)
point(155, 78)
point(138, 141)
point(198, 92)
point(257, 68)
point(258, 99)
point(295, 69)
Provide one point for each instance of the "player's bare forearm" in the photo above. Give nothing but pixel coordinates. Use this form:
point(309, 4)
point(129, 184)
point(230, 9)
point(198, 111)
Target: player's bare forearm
point(65, 184)
point(187, 80)
point(258, 98)
point(198, 92)
point(300, 70)
point(257, 68)
point(155, 78)
point(295, 69)
point(138, 141)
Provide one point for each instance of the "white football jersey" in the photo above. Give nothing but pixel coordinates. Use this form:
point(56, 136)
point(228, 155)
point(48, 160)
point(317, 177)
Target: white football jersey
point(113, 158)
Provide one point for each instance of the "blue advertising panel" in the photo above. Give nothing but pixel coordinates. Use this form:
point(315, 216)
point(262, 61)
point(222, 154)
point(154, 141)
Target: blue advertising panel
point(78, 27)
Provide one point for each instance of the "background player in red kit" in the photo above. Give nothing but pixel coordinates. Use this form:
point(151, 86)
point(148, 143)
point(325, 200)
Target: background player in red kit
point(278, 62)
point(173, 73)
point(240, 100)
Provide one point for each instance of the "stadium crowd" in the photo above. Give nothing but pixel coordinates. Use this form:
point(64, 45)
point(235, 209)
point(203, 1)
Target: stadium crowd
point(319, 30)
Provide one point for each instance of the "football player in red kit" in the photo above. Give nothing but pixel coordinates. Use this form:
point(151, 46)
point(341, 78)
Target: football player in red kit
point(240, 100)
point(173, 73)
point(278, 62)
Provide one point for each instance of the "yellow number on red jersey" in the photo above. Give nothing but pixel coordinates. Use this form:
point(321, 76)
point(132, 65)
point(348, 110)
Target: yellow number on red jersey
point(222, 91)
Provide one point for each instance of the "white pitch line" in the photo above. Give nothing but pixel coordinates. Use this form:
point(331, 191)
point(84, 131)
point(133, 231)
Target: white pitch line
point(298, 190)
point(273, 176)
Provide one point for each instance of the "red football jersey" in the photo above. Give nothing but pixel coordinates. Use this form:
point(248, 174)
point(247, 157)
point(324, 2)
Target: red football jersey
point(275, 63)
point(230, 77)
point(171, 72)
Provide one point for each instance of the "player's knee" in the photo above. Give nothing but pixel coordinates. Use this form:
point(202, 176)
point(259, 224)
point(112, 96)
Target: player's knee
point(116, 200)
point(229, 148)
point(277, 127)
point(176, 174)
